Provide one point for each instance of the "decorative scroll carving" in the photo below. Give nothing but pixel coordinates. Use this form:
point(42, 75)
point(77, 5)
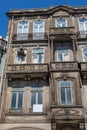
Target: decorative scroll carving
point(64, 30)
point(27, 68)
point(68, 113)
point(63, 66)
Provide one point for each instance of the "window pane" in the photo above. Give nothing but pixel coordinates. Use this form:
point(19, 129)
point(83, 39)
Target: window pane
point(68, 91)
point(63, 100)
point(40, 58)
point(33, 98)
point(61, 23)
point(20, 99)
point(39, 97)
point(13, 101)
point(60, 57)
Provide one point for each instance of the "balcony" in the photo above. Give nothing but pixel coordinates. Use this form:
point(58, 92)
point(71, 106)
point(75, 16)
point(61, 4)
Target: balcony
point(83, 66)
point(68, 112)
point(62, 31)
point(29, 36)
point(26, 68)
point(63, 66)
point(82, 34)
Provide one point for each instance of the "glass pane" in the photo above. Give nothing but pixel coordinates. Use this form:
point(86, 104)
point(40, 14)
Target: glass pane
point(37, 88)
point(13, 101)
point(40, 98)
point(68, 91)
point(33, 98)
point(60, 57)
point(20, 99)
point(81, 26)
point(40, 50)
point(61, 22)
point(63, 100)
point(38, 26)
point(40, 58)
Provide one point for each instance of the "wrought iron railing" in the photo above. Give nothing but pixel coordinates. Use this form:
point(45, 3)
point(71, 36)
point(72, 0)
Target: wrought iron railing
point(30, 36)
point(82, 34)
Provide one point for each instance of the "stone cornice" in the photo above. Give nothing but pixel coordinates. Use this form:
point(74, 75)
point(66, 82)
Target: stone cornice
point(49, 11)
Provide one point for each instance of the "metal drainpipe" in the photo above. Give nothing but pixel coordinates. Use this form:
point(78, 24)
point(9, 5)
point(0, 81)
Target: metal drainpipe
point(4, 84)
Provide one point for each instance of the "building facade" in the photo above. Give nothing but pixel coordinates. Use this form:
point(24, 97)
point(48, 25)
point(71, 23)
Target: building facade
point(46, 70)
point(2, 64)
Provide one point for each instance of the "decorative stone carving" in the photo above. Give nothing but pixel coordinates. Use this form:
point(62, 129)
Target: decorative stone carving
point(64, 66)
point(66, 113)
point(27, 68)
point(65, 30)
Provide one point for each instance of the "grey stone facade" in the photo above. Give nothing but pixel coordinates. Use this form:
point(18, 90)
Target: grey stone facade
point(46, 66)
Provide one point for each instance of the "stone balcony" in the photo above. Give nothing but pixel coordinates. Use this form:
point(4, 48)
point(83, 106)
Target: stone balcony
point(27, 69)
point(63, 66)
point(68, 112)
point(62, 31)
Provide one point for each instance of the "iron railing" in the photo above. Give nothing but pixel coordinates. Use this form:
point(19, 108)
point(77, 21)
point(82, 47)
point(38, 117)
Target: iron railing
point(30, 36)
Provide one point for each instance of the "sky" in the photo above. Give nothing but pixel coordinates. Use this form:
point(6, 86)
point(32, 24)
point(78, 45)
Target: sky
point(7, 5)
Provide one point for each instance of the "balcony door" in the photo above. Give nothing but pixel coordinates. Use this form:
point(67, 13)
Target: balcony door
point(83, 27)
point(38, 29)
point(22, 30)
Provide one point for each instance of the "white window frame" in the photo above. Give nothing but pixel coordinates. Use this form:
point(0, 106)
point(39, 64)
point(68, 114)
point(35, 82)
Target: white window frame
point(16, 56)
point(22, 35)
point(60, 101)
point(17, 91)
point(83, 54)
point(38, 34)
point(36, 101)
point(37, 56)
point(62, 53)
point(61, 24)
point(83, 32)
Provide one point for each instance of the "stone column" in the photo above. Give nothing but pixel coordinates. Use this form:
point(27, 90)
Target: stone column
point(74, 47)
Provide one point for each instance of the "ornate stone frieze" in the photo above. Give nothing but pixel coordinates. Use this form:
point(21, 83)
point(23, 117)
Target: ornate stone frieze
point(57, 66)
point(68, 113)
point(62, 30)
point(27, 68)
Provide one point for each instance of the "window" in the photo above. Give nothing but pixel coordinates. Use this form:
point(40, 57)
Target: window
point(37, 99)
point(38, 55)
point(65, 92)
point(38, 29)
point(83, 27)
point(22, 31)
point(19, 58)
point(62, 54)
point(84, 54)
point(17, 100)
point(61, 22)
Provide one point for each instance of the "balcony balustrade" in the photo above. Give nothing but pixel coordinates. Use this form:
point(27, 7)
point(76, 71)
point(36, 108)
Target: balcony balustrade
point(29, 36)
point(62, 30)
point(82, 34)
point(83, 66)
point(27, 68)
point(70, 112)
point(64, 66)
